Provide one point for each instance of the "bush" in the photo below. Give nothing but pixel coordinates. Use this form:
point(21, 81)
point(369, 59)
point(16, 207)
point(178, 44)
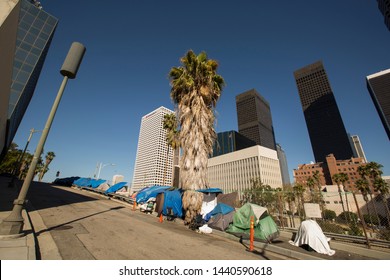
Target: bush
point(372, 219)
point(355, 230)
point(384, 234)
point(327, 226)
point(329, 214)
point(351, 217)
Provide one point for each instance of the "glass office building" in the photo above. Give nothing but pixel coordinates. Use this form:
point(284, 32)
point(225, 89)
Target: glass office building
point(35, 32)
point(230, 141)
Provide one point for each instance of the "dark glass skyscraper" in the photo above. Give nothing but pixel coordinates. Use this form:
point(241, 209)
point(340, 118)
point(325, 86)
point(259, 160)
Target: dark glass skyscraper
point(378, 85)
point(254, 119)
point(230, 141)
point(384, 7)
point(324, 123)
point(35, 32)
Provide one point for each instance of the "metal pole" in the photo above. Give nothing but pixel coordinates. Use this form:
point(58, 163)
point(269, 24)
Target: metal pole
point(100, 168)
point(13, 224)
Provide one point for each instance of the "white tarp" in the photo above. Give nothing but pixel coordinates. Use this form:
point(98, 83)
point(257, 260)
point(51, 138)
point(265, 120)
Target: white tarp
point(310, 233)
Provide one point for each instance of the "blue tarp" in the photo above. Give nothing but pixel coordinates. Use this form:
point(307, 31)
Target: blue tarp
point(211, 190)
point(96, 183)
point(115, 187)
point(172, 199)
point(221, 208)
point(149, 192)
point(82, 182)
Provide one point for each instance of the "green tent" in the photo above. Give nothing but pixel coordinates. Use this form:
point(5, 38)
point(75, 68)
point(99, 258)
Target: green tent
point(264, 226)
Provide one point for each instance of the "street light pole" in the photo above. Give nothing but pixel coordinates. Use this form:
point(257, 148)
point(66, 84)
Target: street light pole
point(101, 167)
point(13, 224)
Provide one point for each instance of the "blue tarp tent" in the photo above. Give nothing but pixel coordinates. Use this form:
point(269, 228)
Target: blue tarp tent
point(172, 200)
point(221, 208)
point(150, 192)
point(96, 183)
point(211, 190)
point(82, 182)
point(115, 187)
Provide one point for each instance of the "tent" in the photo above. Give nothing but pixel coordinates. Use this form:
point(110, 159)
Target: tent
point(145, 194)
point(265, 227)
point(115, 187)
point(96, 183)
point(82, 182)
point(221, 216)
point(209, 200)
point(172, 204)
point(310, 233)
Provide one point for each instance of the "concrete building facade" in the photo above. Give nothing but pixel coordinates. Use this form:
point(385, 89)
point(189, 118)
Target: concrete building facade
point(283, 165)
point(324, 123)
point(154, 161)
point(378, 85)
point(234, 171)
point(329, 168)
point(357, 147)
point(254, 118)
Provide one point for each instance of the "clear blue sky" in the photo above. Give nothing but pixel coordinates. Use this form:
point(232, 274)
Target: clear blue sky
point(131, 46)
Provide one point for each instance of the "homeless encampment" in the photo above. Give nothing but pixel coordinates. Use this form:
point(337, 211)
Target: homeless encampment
point(221, 216)
point(149, 192)
point(115, 187)
point(311, 234)
point(265, 229)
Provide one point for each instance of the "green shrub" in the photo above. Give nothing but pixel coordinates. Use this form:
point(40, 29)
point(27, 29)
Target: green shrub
point(329, 214)
point(384, 234)
point(351, 217)
point(355, 230)
point(328, 226)
point(374, 219)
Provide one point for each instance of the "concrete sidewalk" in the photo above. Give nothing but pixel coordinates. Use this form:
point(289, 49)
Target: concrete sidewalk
point(26, 247)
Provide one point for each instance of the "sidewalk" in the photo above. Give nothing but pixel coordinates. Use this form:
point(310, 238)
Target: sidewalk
point(24, 247)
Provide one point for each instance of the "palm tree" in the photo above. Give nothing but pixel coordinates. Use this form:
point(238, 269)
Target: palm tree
point(196, 88)
point(337, 179)
point(289, 196)
point(48, 159)
point(310, 183)
point(316, 178)
point(363, 186)
point(299, 190)
point(170, 125)
point(382, 187)
point(372, 170)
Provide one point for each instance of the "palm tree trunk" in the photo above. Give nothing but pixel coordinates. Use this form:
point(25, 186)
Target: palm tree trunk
point(342, 204)
point(375, 210)
point(192, 204)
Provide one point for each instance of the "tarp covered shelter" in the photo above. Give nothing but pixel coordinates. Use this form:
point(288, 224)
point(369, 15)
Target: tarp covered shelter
point(265, 228)
point(172, 203)
point(146, 193)
point(221, 216)
point(116, 187)
point(311, 234)
point(96, 183)
point(209, 200)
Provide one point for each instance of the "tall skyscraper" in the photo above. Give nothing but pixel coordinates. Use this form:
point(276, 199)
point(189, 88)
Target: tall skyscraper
point(384, 7)
point(378, 85)
point(154, 161)
point(357, 147)
point(254, 118)
point(324, 123)
point(9, 16)
point(35, 32)
point(230, 141)
point(283, 164)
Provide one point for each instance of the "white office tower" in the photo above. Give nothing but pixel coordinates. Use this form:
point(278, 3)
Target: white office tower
point(117, 179)
point(154, 161)
point(357, 147)
point(234, 171)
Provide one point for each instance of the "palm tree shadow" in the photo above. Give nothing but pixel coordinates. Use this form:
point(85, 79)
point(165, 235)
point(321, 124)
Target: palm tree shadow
point(76, 220)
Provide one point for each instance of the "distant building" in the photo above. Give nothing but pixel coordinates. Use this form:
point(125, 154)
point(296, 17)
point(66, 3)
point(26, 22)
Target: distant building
point(35, 32)
point(324, 123)
point(230, 141)
point(384, 7)
point(283, 164)
point(378, 85)
point(357, 147)
point(254, 118)
point(117, 179)
point(154, 161)
point(234, 171)
point(328, 168)
point(9, 16)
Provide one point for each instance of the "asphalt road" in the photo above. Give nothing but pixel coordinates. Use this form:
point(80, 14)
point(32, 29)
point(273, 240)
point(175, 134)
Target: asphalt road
point(87, 226)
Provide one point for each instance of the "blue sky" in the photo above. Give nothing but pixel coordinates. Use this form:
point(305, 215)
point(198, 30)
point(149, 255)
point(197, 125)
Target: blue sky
point(131, 46)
